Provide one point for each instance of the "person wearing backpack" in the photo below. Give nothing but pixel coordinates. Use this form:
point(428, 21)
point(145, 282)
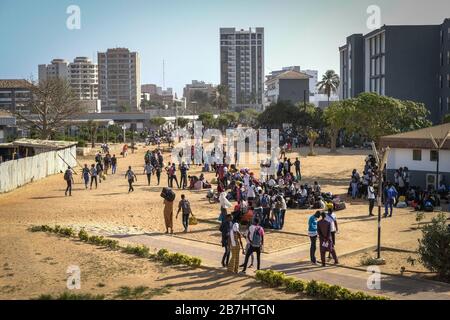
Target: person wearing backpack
point(256, 236)
point(69, 179)
point(131, 178)
point(185, 207)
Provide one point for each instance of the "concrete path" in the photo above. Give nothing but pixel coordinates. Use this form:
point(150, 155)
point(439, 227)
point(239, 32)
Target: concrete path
point(287, 261)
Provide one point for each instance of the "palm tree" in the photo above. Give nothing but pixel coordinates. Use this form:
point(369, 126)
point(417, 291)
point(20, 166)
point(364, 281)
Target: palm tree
point(329, 84)
point(221, 98)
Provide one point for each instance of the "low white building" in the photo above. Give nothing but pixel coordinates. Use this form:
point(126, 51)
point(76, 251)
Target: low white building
point(416, 151)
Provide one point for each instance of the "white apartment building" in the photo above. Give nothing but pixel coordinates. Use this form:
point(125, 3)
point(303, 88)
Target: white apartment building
point(83, 76)
point(119, 80)
point(57, 68)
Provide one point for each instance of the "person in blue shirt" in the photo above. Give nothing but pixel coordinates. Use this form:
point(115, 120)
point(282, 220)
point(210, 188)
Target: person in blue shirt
point(390, 194)
point(312, 233)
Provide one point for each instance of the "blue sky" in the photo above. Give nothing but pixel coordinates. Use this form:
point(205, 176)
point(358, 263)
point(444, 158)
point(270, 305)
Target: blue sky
point(185, 33)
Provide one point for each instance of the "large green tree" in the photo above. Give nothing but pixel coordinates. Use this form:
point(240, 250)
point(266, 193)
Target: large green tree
point(378, 116)
point(339, 115)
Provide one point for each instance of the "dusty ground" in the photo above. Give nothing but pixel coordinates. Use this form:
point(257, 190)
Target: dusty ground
point(34, 264)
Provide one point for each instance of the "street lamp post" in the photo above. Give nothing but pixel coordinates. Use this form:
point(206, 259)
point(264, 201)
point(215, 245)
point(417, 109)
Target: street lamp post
point(438, 147)
point(124, 127)
point(381, 162)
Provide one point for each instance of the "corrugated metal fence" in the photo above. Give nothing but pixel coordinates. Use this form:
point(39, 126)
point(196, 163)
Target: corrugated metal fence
point(16, 173)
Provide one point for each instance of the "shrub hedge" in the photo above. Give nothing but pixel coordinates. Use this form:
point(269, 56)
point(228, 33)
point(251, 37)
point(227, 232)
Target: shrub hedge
point(141, 251)
point(313, 288)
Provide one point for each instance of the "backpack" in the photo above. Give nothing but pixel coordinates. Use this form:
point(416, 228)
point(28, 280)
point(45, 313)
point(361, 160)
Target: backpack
point(264, 201)
point(67, 175)
point(257, 239)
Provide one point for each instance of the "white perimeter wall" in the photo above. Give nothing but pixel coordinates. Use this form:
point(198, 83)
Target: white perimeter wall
point(404, 158)
point(16, 173)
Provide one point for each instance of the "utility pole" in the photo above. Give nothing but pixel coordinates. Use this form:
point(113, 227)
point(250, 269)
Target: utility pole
point(438, 147)
point(380, 162)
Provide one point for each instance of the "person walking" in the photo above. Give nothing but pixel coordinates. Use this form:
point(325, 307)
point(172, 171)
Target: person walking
point(148, 170)
point(371, 197)
point(158, 173)
point(113, 164)
point(185, 207)
point(99, 168)
point(94, 176)
point(326, 243)
point(225, 228)
point(131, 178)
point(390, 194)
point(168, 215)
point(86, 175)
point(312, 233)
point(68, 176)
point(235, 246)
point(256, 237)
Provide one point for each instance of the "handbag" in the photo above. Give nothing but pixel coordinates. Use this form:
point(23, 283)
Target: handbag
point(193, 220)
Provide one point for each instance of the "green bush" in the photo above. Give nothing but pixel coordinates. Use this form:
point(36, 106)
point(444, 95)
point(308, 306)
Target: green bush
point(312, 288)
point(434, 252)
point(140, 251)
point(82, 144)
point(83, 235)
point(165, 256)
point(71, 296)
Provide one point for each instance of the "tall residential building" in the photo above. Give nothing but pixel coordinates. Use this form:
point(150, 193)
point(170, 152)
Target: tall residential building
point(83, 76)
point(404, 62)
point(119, 80)
point(57, 68)
point(242, 66)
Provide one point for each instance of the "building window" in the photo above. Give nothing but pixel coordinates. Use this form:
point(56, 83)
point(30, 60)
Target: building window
point(433, 155)
point(440, 81)
point(417, 155)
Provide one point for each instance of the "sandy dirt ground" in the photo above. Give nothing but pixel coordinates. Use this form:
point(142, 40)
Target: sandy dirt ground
point(34, 264)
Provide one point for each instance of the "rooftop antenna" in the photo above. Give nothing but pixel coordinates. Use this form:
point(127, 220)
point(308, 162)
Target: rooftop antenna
point(164, 75)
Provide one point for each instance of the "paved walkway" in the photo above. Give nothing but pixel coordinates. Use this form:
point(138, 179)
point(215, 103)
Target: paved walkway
point(287, 261)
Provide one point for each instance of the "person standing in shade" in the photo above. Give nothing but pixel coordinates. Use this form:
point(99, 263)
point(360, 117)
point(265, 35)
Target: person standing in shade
point(131, 178)
point(94, 176)
point(371, 197)
point(256, 237)
point(85, 175)
point(312, 233)
point(168, 215)
point(235, 248)
point(148, 170)
point(113, 164)
point(326, 243)
point(185, 207)
point(68, 176)
point(298, 174)
point(225, 228)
